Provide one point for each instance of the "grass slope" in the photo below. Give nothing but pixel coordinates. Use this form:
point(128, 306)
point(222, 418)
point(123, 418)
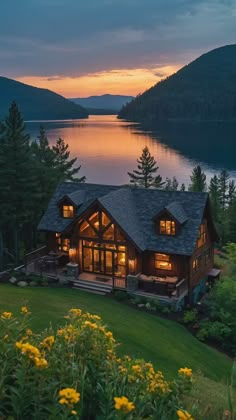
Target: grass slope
point(163, 342)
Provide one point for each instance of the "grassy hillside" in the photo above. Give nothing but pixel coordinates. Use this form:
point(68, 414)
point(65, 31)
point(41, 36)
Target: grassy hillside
point(203, 90)
point(35, 103)
point(165, 343)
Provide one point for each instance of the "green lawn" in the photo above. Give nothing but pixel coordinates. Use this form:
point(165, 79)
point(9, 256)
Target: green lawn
point(165, 343)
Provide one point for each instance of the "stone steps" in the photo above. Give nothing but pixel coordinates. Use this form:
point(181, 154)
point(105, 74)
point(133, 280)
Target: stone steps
point(92, 286)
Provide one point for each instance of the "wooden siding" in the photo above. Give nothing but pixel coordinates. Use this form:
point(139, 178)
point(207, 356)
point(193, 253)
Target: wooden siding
point(179, 266)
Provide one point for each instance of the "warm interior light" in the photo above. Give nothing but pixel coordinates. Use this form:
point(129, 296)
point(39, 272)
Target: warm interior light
point(131, 262)
point(72, 254)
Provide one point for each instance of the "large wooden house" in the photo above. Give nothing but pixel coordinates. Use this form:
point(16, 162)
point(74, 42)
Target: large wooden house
point(149, 241)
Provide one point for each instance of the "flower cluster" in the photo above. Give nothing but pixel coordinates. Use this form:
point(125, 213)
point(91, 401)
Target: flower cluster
point(185, 372)
point(69, 397)
point(47, 343)
point(123, 404)
point(82, 351)
point(32, 353)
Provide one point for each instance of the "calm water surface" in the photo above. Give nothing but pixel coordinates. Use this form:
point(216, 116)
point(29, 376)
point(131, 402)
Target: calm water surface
point(107, 148)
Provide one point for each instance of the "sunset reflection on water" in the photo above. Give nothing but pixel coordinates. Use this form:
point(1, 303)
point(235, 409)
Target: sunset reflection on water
point(107, 148)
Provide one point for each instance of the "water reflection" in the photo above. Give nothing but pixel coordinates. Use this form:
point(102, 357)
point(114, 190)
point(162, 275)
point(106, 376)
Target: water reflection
point(107, 148)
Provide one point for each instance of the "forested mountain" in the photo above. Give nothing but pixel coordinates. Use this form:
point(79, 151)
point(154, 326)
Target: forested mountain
point(109, 102)
point(35, 103)
point(203, 90)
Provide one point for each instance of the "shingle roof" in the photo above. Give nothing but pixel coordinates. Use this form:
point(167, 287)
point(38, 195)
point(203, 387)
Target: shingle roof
point(77, 197)
point(176, 209)
point(134, 209)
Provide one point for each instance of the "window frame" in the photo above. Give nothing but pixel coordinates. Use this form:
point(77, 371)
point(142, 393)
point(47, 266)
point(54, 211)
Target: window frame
point(202, 234)
point(162, 258)
point(163, 229)
point(70, 211)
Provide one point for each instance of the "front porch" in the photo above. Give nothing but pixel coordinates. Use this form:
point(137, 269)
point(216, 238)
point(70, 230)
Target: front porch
point(169, 290)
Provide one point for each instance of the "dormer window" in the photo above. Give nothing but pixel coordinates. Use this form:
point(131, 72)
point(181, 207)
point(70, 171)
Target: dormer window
point(167, 227)
point(68, 212)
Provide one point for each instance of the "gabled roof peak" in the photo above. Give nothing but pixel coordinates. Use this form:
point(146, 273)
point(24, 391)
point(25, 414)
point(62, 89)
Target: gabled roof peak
point(177, 211)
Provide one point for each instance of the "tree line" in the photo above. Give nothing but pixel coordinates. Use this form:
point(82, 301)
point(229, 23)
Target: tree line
point(30, 170)
point(29, 173)
point(221, 188)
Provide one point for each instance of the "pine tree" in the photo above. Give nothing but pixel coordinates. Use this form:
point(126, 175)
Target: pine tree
point(223, 188)
point(144, 175)
point(231, 192)
point(198, 180)
point(18, 184)
point(182, 187)
point(63, 165)
point(171, 184)
point(231, 222)
point(214, 191)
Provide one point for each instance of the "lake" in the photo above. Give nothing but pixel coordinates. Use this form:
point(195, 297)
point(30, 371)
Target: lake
point(107, 147)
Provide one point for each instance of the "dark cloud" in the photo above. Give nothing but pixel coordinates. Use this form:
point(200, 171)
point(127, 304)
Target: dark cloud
point(75, 37)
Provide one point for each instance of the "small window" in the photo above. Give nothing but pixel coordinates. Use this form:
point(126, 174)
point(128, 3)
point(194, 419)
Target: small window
point(62, 243)
point(167, 227)
point(196, 264)
point(68, 212)
point(202, 235)
point(162, 262)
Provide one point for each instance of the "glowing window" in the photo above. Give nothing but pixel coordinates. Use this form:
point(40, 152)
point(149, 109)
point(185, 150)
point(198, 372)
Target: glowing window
point(62, 243)
point(202, 235)
point(196, 264)
point(167, 227)
point(68, 212)
point(162, 262)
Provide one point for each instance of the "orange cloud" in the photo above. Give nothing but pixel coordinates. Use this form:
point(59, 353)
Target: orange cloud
point(122, 81)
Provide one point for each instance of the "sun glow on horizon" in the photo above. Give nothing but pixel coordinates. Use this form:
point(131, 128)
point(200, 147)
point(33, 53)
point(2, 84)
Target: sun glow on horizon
point(121, 81)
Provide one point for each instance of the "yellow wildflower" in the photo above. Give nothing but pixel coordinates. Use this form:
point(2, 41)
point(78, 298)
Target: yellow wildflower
point(184, 415)
point(29, 332)
point(69, 397)
point(73, 412)
point(123, 404)
point(75, 312)
point(48, 342)
point(109, 335)
point(7, 315)
point(40, 363)
point(24, 310)
point(28, 350)
point(90, 325)
point(186, 372)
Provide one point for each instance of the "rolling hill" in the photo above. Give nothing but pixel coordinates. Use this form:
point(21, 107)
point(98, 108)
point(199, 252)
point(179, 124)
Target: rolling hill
point(205, 89)
point(36, 103)
point(105, 102)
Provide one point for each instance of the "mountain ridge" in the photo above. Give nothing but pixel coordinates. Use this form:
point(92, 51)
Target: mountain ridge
point(106, 101)
point(204, 89)
point(37, 103)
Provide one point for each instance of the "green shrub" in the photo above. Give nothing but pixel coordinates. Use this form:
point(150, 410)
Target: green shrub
point(190, 316)
point(74, 371)
point(215, 330)
point(120, 295)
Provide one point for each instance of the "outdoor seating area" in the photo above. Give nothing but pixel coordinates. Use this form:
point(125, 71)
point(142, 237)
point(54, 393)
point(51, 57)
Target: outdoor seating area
point(162, 286)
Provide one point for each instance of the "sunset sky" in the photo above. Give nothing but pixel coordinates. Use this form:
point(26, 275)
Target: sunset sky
point(92, 47)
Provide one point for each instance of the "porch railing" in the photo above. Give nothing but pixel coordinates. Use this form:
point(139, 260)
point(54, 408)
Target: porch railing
point(181, 287)
point(35, 255)
point(119, 283)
